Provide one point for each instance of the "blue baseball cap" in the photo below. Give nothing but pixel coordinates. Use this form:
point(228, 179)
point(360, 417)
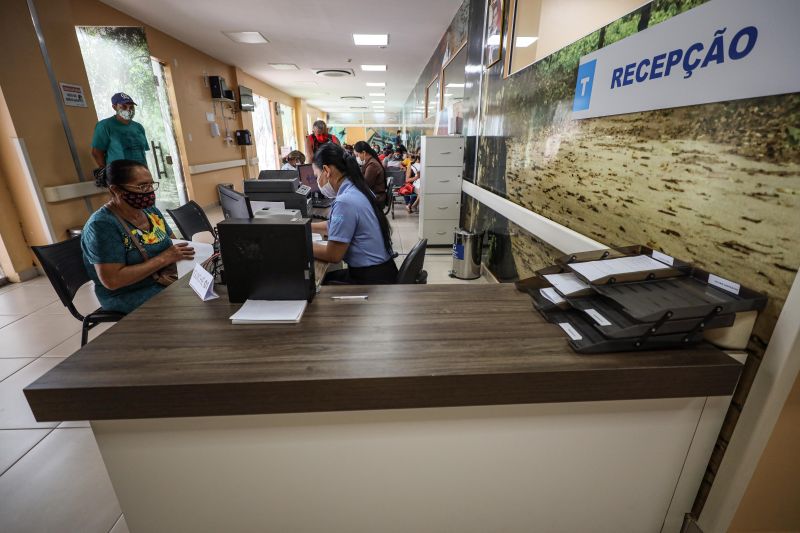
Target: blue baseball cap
point(122, 98)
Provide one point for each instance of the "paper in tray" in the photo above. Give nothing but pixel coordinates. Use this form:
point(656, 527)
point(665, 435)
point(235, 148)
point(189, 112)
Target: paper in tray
point(617, 265)
point(584, 338)
point(696, 295)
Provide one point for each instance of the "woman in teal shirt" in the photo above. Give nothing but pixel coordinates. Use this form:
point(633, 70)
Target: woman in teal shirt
point(124, 279)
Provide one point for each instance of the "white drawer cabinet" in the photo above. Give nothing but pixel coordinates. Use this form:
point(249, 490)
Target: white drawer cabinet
point(442, 159)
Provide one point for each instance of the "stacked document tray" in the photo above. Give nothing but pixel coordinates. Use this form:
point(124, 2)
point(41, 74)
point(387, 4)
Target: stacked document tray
point(635, 298)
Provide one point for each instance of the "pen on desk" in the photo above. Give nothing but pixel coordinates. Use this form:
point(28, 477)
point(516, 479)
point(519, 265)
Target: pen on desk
point(353, 297)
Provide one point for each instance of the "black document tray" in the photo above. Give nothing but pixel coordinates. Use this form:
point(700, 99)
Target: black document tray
point(594, 342)
point(676, 268)
point(683, 297)
point(623, 326)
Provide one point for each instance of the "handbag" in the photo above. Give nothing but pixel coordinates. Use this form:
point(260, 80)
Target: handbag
point(167, 275)
point(406, 189)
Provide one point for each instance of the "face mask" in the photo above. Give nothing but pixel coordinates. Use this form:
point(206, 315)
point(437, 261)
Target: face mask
point(139, 200)
point(360, 161)
point(327, 190)
point(126, 114)
point(321, 137)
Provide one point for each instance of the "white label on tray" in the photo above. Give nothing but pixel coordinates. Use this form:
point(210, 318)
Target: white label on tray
point(600, 319)
point(664, 258)
point(724, 284)
point(571, 331)
point(551, 294)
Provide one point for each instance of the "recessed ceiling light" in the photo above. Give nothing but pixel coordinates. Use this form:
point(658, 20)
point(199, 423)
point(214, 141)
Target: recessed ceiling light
point(246, 37)
point(524, 42)
point(377, 94)
point(373, 68)
point(455, 85)
point(376, 84)
point(284, 66)
point(379, 101)
point(362, 39)
point(493, 40)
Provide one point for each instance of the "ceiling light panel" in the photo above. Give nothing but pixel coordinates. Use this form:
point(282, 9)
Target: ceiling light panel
point(376, 84)
point(363, 39)
point(377, 94)
point(373, 68)
point(246, 37)
point(284, 66)
point(524, 42)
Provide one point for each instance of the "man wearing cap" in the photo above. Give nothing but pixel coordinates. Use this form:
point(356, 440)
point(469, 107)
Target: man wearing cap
point(119, 137)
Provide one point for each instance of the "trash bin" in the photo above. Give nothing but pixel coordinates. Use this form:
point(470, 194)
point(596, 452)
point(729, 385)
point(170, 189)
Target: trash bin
point(467, 254)
point(74, 232)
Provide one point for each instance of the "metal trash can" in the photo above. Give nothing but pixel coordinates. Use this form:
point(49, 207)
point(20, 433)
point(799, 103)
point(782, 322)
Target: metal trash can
point(74, 232)
point(466, 254)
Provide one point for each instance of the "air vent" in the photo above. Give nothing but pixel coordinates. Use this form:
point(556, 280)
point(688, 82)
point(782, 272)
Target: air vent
point(334, 72)
point(359, 107)
point(352, 97)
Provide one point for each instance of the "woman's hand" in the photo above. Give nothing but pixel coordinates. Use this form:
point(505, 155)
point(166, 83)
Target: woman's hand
point(178, 252)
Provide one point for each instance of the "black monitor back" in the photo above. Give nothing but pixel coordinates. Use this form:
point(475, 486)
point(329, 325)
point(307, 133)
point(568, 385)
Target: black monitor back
point(234, 204)
point(307, 177)
point(266, 259)
point(277, 174)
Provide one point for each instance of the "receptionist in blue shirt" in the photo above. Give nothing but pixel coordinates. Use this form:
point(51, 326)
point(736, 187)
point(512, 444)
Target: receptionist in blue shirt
point(358, 231)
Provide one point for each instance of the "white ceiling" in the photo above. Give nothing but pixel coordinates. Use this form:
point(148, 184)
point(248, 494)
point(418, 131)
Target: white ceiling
point(312, 34)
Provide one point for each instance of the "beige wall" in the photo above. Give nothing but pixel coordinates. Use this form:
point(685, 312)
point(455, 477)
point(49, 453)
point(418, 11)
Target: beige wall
point(772, 500)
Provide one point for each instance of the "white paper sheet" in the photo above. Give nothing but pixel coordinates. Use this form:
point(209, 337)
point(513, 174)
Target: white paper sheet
point(269, 312)
point(567, 284)
point(551, 294)
point(258, 206)
point(594, 270)
point(202, 251)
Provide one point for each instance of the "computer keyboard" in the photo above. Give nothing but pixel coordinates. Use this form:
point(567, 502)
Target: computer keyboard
point(319, 217)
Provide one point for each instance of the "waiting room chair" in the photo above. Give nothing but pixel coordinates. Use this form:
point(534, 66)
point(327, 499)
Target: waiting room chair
point(63, 264)
point(411, 270)
point(190, 219)
point(396, 179)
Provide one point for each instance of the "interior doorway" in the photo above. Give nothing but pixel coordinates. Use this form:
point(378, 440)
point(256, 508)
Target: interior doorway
point(264, 136)
point(117, 59)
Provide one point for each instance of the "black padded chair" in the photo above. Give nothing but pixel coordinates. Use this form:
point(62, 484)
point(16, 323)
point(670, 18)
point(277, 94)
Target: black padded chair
point(190, 219)
point(411, 270)
point(63, 264)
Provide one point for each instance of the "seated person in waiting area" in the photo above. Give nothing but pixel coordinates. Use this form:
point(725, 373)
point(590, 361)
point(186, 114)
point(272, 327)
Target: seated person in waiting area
point(395, 160)
point(126, 243)
point(357, 230)
point(294, 160)
point(371, 169)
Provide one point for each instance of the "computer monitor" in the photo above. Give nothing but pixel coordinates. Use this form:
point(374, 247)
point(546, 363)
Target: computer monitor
point(277, 174)
point(234, 204)
point(307, 177)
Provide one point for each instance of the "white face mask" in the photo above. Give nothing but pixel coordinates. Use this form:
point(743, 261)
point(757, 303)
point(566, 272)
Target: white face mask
point(360, 161)
point(126, 114)
point(327, 190)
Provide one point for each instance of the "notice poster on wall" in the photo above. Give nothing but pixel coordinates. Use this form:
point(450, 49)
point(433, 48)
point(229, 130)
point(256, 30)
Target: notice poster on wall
point(723, 50)
point(73, 95)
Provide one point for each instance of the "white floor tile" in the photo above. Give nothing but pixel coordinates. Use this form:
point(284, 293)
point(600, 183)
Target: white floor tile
point(9, 287)
point(73, 344)
point(14, 443)
point(36, 334)
point(60, 485)
point(120, 526)
point(26, 299)
point(11, 365)
point(8, 319)
point(74, 424)
point(14, 410)
point(85, 302)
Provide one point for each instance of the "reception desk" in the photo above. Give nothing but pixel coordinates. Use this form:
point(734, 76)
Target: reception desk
point(422, 408)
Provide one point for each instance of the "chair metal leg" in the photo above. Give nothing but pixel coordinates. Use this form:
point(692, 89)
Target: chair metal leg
point(85, 333)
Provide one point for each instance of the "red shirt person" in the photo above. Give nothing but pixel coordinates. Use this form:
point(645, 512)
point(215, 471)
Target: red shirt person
point(319, 136)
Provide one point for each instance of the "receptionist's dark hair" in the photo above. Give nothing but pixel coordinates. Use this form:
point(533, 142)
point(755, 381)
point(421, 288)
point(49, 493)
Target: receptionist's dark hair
point(334, 155)
point(117, 172)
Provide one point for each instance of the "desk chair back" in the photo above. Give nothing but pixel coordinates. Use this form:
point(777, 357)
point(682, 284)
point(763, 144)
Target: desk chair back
point(190, 219)
point(411, 270)
point(396, 178)
point(63, 264)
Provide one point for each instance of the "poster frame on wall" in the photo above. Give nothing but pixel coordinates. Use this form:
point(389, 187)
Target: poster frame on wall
point(494, 21)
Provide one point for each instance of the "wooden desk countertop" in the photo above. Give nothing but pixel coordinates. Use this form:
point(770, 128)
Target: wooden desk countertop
point(407, 346)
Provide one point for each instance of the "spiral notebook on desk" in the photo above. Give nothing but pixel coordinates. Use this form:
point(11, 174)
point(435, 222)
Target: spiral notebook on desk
point(270, 312)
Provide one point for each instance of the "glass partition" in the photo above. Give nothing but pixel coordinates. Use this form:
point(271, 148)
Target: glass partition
point(454, 80)
point(432, 98)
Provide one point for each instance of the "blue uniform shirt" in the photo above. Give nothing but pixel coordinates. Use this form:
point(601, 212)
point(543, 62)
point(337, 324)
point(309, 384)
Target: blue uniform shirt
point(353, 220)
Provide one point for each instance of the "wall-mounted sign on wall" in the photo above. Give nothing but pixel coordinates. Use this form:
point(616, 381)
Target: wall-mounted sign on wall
point(722, 50)
point(73, 95)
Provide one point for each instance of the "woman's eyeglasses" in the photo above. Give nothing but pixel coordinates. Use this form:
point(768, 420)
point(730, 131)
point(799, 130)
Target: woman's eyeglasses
point(144, 187)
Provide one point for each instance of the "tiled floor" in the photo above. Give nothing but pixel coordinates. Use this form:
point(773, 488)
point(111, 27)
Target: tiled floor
point(52, 477)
